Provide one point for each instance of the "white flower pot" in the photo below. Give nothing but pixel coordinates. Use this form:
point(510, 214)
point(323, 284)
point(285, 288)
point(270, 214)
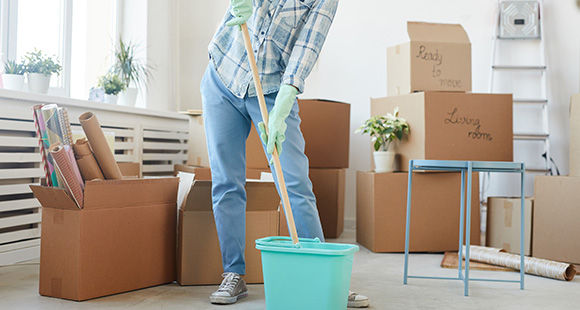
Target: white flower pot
point(13, 81)
point(38, 83)
point(384, 161)
point(112, 99)
point(128, 97)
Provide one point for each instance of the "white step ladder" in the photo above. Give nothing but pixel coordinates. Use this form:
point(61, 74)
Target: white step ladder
point(522, 22)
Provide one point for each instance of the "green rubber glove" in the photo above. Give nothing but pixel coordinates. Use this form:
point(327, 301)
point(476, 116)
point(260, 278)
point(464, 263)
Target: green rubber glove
point(277, 119)
point(241, 10)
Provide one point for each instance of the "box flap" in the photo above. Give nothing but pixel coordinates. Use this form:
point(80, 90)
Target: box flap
point(51, 197)
point(192, 112)
point(261, 196)
point(100, 194)
point(431, 32)
point(321, 100)
point(199, 197)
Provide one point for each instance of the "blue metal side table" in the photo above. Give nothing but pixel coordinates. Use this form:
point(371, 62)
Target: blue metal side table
point(465, 167)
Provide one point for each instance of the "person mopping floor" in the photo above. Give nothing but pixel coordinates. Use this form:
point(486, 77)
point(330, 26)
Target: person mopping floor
point(287, 36)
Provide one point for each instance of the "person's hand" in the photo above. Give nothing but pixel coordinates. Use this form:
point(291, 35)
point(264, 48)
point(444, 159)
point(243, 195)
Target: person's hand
point(277, 119)
point(241, 10)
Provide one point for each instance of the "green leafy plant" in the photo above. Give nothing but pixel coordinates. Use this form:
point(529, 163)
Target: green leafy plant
point(130, 68)
point(37, 62)
point(111, 83)
point(383, 129)
point(12, 67)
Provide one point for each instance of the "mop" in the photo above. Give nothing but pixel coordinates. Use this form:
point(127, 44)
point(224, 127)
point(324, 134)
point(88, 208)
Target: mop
point(306, 274)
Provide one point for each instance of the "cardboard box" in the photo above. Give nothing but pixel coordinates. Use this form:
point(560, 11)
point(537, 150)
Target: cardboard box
point(503, 224)
point(575, 135)
point(328, 186)
point(437, 58)
point(314, 113)
point(204, 174)
point(122, 240)
point(556, 212)
point(326, 129)
point(197, 146)
point(452, 126)
point(199, 259)
point(381, 206)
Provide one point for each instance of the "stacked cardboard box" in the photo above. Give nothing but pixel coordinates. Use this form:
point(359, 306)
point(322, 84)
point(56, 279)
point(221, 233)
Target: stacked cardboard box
point(503, 224)
point(429, 79)
point(123, 239)
point(556, 208)
point(326, 172)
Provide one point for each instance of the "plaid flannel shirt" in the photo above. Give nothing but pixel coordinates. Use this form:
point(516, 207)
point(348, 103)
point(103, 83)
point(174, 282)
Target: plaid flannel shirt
point(287, 36)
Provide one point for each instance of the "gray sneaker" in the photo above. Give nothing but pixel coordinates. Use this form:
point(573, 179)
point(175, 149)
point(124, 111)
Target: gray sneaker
point(233, 287)
point(357, 301)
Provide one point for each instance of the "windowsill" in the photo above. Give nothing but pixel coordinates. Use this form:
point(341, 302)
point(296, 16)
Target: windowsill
point(36, 98)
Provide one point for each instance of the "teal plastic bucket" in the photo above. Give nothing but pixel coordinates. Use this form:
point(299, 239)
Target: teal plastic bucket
point(308, 275)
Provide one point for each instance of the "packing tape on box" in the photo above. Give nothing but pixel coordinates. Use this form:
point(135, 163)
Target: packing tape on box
point(101, 149)
point(575, 136)
point(536, 266)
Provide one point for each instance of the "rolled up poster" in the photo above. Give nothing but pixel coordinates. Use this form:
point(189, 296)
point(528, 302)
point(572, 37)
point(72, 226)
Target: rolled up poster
point(101, 149)
point(53, 134)
point(536, 266)
point(88, 165)
point(42, 145)
point(67, 167)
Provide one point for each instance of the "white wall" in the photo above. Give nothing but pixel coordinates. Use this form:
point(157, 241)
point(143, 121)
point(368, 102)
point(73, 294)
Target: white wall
point(162, 52)
point(197, 25)
point(352, 66)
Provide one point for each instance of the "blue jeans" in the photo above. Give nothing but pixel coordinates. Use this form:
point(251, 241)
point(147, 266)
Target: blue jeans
point(227, 126)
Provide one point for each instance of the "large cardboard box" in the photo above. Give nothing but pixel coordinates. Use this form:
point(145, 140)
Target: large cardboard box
point(452, 126)
point(503, 224)
point(204, 174)
point(437, 58)
point(575, 136)
point(123, 239)
point(199, 259)
point(197, 145)
point(556, 213)
point(381, 205)
point(326, 129)
point(328, 186)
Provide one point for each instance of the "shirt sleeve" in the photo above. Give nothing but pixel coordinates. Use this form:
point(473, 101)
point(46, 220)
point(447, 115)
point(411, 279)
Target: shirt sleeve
point(309, 43)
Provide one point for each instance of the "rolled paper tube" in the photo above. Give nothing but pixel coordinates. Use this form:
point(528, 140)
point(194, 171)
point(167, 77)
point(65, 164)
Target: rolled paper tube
point(536, 266)
point(65, 166)
point(101, 149)
point(88, 165)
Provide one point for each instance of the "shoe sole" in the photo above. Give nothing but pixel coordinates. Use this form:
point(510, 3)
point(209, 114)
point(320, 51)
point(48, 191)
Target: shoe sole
point(222, 300)
point(358, 304)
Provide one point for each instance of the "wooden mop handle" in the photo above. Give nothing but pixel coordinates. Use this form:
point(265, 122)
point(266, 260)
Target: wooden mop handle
point(275, 156)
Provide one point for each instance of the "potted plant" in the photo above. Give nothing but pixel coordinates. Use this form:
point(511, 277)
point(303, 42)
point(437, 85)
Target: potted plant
point(40, 68)
point(13, 76)
point(383, 129)
point(112, 85)
point(133, 71)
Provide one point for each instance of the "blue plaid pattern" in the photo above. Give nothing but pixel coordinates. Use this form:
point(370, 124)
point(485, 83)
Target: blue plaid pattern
point(287, 36)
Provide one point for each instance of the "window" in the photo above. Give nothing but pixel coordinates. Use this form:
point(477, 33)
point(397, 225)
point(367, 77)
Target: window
point(42, 24)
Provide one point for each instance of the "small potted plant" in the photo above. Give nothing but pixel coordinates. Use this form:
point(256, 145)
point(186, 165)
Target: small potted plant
point(13, 76)
point(112, 85)
point(134, 72)
point(40, 68)
point(383, 129)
